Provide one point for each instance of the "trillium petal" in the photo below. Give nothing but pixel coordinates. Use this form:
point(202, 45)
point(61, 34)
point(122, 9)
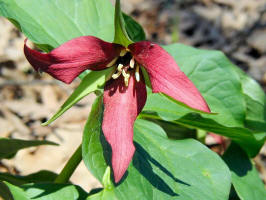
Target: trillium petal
point(70, 59)
point(121, 107)
point(219, 139)
point(166, 76)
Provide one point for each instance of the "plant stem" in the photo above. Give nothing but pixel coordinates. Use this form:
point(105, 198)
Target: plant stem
point(70, 167)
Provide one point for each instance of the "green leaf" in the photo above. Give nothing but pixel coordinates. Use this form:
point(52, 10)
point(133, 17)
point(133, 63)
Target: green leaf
point(159, 107)
point(245, 177)
point(9, 147)
point(107, 192)
point(121, 36)
point(50, 23)
point(255, 99)
point(175, 131)
point(134, 30)
point(4, 192)
point(214, 76)
point(38, 177)
point(47, 192)
point(161, 168)
point(17, 193)
point(93, 81)
point(55, 22)
point(222, 87)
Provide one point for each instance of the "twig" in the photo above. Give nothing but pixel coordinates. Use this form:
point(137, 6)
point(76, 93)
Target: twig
point(28, 83)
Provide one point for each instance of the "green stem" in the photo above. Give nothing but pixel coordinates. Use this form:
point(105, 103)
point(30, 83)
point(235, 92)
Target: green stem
point(70, 167)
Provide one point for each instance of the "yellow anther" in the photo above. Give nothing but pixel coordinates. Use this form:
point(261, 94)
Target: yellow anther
point(115, 76)
point(132, 63)
point(137, 76)
point(112, 62)
point(119, 68)
point(123, 52)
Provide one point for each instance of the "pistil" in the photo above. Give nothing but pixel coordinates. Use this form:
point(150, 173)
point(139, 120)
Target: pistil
point(124, 66)
point(126, 77)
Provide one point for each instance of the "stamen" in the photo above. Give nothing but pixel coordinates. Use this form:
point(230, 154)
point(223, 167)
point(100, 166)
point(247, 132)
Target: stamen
point(126, 77)
point(125, 74)
point(119, 68)
point(112, 62)
point(115, 76)
point(137, 76)
point(132, 63)
point(123, 52)
point(126, 80)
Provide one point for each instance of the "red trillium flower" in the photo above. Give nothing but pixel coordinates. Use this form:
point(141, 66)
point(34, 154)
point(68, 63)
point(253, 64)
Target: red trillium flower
point(125, 93)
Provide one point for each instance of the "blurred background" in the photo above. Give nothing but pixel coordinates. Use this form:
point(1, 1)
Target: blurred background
point(238, 28)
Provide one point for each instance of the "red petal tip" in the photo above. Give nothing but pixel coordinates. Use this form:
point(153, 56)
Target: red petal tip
point(165, 75)
point(121, 107)
point(70, 59)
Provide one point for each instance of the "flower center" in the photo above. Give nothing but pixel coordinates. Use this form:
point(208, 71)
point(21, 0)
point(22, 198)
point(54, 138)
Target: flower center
point(125, 64)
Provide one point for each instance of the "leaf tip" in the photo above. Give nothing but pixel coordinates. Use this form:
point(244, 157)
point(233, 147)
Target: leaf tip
point(45, 123)
point(107, 178)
